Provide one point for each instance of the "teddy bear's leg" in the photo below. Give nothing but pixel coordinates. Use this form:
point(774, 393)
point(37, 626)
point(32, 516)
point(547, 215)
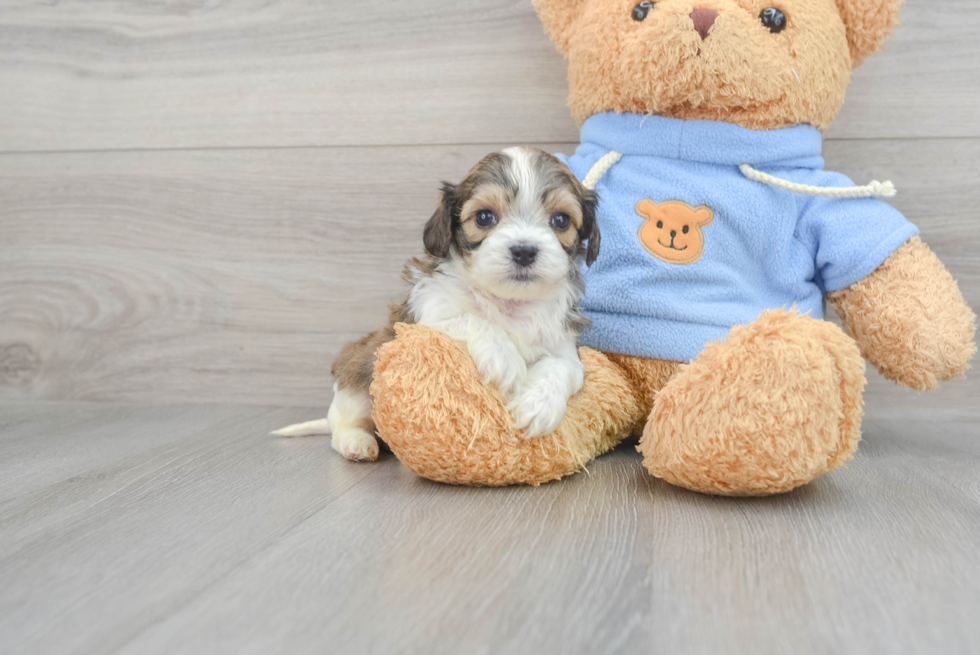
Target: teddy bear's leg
point(647, 377)
point(771, 408)
point(438, 417)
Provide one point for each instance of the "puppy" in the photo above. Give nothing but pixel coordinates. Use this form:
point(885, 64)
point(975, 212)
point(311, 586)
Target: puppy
point(502, 276)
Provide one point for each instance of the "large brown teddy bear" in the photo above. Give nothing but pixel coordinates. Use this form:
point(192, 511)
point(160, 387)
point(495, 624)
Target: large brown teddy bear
point(722, 236)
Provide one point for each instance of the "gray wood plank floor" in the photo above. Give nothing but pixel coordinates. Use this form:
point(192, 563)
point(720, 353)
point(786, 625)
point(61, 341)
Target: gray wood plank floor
point(186, 529)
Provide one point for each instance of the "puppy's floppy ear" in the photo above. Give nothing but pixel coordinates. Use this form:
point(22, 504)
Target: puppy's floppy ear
point(438, 234)
point(590, 225)
point(559, 17)
point(868, 22)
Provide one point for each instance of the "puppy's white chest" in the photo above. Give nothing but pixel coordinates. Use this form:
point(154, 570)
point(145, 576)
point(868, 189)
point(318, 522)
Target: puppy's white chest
point(534, 326)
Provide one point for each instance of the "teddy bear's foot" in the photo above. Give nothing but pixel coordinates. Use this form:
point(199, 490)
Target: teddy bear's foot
point(439, 418)
point(768, 410)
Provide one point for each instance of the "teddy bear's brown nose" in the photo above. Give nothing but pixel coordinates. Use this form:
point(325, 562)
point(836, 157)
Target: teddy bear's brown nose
point(703, 19)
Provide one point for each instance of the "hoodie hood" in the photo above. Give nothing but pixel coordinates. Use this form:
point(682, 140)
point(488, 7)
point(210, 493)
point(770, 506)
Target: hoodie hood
point(705, 142)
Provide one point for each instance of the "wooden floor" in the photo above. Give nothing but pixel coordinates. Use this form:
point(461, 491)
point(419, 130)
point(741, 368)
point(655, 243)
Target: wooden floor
point(186, 529)
point(201, 201)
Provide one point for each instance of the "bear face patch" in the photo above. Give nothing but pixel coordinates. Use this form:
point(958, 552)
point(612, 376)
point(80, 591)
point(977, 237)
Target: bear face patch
point(672, 230)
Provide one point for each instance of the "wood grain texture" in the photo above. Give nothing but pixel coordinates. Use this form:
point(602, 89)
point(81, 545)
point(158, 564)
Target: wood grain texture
point(224, 540)
point(40, 446)
point(116, 74)
point(236, 276)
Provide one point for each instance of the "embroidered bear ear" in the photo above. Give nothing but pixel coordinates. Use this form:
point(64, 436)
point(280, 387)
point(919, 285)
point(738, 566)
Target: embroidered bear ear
point(559, 18)
point(648, 209)
point(704, 216)
point(868, 22)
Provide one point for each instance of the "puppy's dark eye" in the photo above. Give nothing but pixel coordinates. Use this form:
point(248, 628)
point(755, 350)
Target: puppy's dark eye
point(774, 19)
point(560, 222)
point(660, 225)
point(641, 11)
point(686, 229)
point(486, 219)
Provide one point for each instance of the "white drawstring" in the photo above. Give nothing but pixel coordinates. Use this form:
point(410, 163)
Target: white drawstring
point(875, 189)
point(601, 168)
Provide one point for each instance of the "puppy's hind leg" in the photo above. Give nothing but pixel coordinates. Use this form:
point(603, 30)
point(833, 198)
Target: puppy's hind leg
point(348, 421)
point(349, 418)
point(351, 425)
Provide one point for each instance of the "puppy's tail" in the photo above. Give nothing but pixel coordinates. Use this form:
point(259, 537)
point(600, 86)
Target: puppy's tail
point(309, 429)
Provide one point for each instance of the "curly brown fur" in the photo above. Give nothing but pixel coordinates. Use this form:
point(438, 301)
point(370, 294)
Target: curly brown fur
point(647, 377)
point(741, 73)
point(775, 405)
point(354, 366)
point(910, 319)
point(445, 424)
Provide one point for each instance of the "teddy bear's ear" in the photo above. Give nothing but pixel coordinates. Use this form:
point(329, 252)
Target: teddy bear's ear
point(868, 22)
point(559, 18)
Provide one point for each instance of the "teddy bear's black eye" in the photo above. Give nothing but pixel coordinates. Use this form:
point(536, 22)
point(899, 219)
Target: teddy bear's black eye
point(773, 18)
point(660, 225)
point(485, 218)
point(686, 229)
point(641, 11)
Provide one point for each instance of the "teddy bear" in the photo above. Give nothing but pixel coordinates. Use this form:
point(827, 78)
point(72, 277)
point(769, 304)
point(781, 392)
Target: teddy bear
point(722, 239)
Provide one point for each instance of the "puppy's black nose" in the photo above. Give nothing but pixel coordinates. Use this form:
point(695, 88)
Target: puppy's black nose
point(524, 255)
point(673, 233)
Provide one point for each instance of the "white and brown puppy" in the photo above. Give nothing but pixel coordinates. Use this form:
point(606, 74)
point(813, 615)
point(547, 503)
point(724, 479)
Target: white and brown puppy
point(501, 276)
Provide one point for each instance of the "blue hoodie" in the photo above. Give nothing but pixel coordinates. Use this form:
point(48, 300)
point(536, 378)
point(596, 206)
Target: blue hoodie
point(759, 247)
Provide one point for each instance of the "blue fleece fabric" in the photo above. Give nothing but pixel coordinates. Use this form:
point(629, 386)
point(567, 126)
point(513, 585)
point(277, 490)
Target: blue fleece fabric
point(765, 249)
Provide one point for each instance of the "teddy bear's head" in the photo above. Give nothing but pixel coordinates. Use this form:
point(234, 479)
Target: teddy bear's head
point(761, 64)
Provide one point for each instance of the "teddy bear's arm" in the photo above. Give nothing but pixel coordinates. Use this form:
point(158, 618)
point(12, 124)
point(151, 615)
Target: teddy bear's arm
point(910, 319)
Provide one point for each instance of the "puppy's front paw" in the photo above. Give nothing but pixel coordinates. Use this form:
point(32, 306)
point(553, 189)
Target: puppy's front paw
point(355, 444)
point(501, 367)
point(538, 410)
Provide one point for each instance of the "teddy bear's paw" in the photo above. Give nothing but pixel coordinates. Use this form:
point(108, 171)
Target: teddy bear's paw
point(910, 319)
point(355, 444)
point(442, 421)
point(537, 409)
point(770, 409)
